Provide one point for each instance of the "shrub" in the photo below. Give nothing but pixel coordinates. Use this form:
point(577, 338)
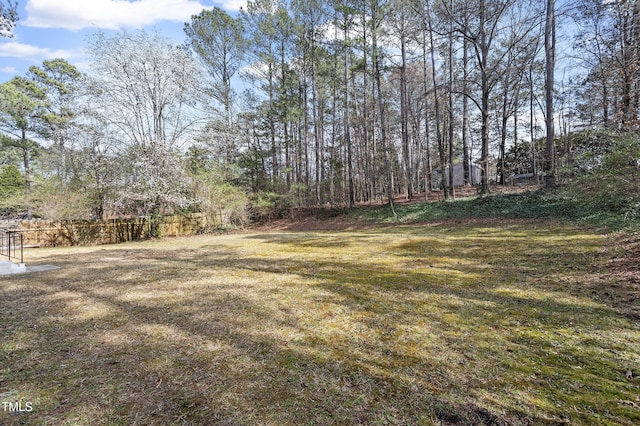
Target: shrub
point(612, 189)
point(265, 206)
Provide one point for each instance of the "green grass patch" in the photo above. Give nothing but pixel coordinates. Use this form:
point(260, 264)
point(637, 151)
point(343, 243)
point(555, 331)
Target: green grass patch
point(563, 205)
point(487, 324)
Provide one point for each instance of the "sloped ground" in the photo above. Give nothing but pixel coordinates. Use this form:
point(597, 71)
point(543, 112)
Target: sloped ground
point(472, 322)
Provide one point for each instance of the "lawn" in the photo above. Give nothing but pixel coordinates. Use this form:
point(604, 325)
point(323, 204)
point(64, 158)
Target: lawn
point(484, 323)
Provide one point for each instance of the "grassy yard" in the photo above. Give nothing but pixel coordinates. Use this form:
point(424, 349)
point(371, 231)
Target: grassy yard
point(432, 324)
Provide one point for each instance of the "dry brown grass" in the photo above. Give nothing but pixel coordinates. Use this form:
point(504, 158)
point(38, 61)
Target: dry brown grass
point(483, 324)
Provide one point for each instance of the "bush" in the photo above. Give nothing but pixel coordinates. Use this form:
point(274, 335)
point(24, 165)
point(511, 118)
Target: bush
point(612, 189)
point(266, 206)
point(12, 191)
point(229, 205)
point(11, 181)
point(223, 203)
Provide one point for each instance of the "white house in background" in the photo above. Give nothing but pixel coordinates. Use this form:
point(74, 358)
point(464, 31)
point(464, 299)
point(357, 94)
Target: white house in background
point(475, 175)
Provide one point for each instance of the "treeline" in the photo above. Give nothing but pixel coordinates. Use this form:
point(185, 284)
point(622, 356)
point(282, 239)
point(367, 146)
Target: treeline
point(315, 102)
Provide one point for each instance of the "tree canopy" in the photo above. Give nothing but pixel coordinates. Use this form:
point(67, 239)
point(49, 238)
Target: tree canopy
point(8, 17)
point(309, 103)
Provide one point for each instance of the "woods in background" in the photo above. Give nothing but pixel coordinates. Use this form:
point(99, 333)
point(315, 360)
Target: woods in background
point(313, 102)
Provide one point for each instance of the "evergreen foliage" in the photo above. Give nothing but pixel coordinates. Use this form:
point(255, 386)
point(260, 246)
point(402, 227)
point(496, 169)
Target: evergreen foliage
point(343, 104)
point(604, 192)
point(11, 181)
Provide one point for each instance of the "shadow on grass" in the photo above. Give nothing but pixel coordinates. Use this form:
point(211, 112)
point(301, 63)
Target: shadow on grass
point(409, 330)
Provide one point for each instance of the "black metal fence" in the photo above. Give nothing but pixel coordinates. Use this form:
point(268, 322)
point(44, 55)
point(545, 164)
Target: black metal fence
point(11, 245)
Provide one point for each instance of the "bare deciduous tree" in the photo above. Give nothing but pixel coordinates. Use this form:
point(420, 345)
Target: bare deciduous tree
point(146, 92)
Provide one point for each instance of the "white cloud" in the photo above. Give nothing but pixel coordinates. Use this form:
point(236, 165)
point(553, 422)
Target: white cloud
point(9, 70)
point(14, 49)
point(109, 14)
point(232, 5)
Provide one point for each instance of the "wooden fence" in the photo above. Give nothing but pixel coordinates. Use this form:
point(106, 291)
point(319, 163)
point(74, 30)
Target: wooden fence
point(85, 232)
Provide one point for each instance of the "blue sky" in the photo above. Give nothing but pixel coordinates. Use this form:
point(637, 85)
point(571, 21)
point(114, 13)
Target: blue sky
point(51, 29)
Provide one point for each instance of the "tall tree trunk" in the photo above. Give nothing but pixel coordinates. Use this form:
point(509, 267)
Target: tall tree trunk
point(272, 127)
point(370, 147)
point(439, 137)
point(27, 171)
point(483, 47)
point(515, 114)
point(284, 113)
point(347, 124)
point(451, 118)
point(404, 117)
point(377, 57)
point(532, 127)
point(466, 161)
point(549, 48)
point(316, 128)
point(62, 167)
point(503, 129)
point(428, 167)
point(605, 99)
point(307, 164)
point(334, 152)
point(287, 155)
